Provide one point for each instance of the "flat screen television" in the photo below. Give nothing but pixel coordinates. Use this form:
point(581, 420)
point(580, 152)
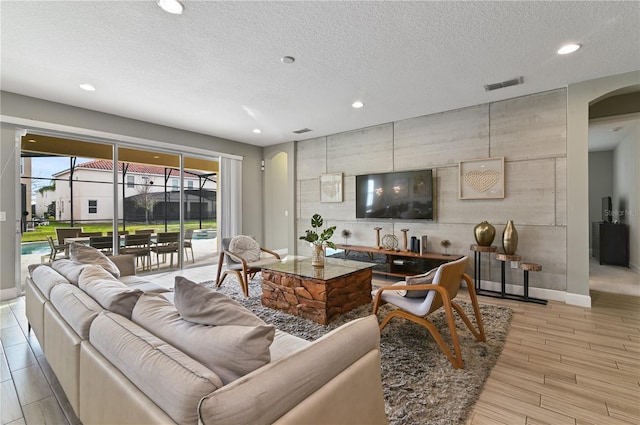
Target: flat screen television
point(402, 195)
point(607, 214)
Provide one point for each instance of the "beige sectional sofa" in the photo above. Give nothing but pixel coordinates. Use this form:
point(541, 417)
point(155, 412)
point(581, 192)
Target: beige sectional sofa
point(113, 345)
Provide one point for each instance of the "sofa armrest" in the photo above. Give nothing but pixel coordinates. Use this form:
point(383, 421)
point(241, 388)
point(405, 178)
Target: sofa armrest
point(344, 362)
point(126, 263)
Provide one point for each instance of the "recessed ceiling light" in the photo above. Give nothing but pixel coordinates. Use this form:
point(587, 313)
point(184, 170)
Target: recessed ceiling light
point(156, 156)
point(171, 6)
point(87, 87)
point(357, 104)
point(32, 141)
point(615, 129)
point(257, 131)
point(568, 48)
point(287, 59)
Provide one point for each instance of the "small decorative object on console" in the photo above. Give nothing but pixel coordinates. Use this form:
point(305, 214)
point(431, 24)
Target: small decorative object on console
point(377, 229)
point(404, 238)
point(389, 242)
point(484, 233)
point(510, 238)
point(346, 234)
point(423, 245)
point(445, 244)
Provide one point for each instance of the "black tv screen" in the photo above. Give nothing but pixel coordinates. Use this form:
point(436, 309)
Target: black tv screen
point(402, 195)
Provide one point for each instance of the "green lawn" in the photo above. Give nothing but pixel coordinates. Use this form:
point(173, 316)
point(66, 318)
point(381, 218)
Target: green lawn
point(40, 233)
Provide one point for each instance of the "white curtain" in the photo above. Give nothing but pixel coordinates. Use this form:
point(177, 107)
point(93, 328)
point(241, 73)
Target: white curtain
point(230, 190)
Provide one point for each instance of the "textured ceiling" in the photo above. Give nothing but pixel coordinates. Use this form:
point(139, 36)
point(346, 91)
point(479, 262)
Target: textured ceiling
point(216, 68)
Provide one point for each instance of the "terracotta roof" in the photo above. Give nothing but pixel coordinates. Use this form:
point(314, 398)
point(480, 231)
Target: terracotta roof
point(103, 164)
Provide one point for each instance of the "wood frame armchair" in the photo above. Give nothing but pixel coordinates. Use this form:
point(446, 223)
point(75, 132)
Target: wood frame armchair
point(441, 293)
point(243, 269)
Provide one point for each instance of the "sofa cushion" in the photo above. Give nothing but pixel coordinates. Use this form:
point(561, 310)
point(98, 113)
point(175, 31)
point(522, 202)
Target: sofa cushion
point(230, 351)
point(108, 291)
point(68, 269)
point(76, 307)
point(45, 278)
point(205, 306)
point(170, 378)
point(245, 247)
point(143, 284)
point(83, 254)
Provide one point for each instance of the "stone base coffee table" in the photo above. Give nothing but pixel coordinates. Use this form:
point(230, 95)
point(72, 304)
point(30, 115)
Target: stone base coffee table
point(318, 294)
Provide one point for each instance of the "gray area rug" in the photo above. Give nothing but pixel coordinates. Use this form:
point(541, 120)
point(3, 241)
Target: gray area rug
point(420, 385)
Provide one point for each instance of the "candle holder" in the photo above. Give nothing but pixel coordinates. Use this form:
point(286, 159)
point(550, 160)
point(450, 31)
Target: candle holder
point(377, 229)
point(404, 238)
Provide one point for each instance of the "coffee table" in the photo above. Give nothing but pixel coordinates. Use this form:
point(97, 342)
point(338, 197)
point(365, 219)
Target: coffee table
point(318, 294)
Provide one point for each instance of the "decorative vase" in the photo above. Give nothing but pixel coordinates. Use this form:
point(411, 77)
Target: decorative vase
point(510, 238)
point(317, 257)
point(484, 233)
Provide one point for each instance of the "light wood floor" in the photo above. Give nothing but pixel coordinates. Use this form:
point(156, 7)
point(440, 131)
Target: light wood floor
point(561, 365)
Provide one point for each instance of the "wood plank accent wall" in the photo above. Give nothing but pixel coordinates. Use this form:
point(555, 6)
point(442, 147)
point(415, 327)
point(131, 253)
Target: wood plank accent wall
point(529, 131)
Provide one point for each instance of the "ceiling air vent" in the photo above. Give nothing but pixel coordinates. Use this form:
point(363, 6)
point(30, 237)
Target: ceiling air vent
point(503, 84)
point(303, 130)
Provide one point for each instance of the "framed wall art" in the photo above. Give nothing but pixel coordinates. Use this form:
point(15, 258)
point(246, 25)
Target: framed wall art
point(331, 187)
point(481, 178)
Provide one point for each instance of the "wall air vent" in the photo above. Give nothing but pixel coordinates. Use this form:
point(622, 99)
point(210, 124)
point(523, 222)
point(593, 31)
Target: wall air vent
point(303, 130)
point(503, 84)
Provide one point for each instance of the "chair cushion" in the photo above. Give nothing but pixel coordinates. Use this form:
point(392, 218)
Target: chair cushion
point(245, 247)
point(110, 293)
point(420, 279)
point(230, 351)
point(204, 306)
point(84, 254)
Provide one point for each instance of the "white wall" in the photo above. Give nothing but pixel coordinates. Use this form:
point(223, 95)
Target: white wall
point(529, 131)
point(626, 191)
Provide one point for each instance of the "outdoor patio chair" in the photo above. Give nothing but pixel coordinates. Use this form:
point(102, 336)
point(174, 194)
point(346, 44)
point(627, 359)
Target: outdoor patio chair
point(166, 243)
point(431, 297)
point(102, 243)
point(140, 247)
point(55, 249)
point(188, 244)
point(67, 232)
point(89, 234)
point(144, 231)
point(242, 256)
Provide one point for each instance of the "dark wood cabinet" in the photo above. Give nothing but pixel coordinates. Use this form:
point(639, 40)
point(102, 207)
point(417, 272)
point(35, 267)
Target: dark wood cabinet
point(610, 243)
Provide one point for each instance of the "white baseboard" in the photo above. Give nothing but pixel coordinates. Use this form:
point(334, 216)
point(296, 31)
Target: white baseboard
point(542, 293)
point(8, 294)
point(635, 268)
point(578, 299)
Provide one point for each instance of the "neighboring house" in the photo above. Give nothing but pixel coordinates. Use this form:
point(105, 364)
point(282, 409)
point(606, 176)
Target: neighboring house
point(143, 192)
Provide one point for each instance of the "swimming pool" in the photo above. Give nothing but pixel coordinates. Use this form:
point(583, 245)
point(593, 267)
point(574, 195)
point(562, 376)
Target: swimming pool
point(40, 248)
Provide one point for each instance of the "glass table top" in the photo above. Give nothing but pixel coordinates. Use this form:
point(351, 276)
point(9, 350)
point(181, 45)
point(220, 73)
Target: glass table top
point(333, 267)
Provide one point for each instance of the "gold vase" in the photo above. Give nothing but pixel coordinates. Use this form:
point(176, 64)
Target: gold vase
point(317, 256)
point(484, 233)
point(510, 238)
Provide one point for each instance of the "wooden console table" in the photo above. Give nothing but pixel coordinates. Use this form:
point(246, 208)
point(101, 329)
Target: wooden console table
point(401, 263)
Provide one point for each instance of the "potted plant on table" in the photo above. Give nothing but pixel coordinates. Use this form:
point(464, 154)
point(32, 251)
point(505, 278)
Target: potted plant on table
point(319, 239)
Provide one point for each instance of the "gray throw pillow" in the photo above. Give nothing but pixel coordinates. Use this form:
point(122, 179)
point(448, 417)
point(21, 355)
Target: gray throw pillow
point(84, 254)
point(420, 279)
point(205, 306)
point(230, 351)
